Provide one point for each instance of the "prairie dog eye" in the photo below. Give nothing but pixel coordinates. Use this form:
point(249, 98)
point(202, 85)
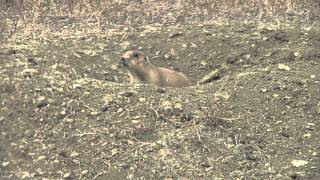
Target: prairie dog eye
point(135, 55)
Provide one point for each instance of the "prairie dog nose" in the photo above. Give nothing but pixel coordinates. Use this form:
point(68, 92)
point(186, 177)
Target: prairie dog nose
point(123, 61)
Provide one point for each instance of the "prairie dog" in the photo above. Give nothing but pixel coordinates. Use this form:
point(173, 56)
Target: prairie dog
point(141, 70)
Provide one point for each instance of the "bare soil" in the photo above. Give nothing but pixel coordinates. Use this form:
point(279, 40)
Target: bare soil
point(68, 112)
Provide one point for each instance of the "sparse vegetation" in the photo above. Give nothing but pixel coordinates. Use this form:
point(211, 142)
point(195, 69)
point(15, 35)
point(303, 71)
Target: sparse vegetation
point(38, 17)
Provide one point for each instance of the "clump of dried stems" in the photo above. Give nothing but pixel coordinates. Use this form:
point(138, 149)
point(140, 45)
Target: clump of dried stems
point(28, 15)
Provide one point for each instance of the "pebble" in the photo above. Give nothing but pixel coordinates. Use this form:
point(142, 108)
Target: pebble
point(307, 135)
point(236, 173)
point(29, 72)
point(10, 52)
point(42, 102)
point(56, 161)
point(318, 108)
point(74, 154)
point(41, 158)
point(161, 90)
point(298, 163)
point(126, 94)
point(293, 175)
point(94, 113)
point(166, 105)
point(284, 67)
point(205, 164)
point(114, 66)
point(76, 86)
point(5, 164)
point(178, 106)
point(175, 34)
point(84, 172)
point(120, 110)
point(66, 175)
point(142, 99)
point(210, 77)
point(203, 63)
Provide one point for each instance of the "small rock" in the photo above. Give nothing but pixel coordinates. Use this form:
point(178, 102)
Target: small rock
point(32, 61)
point(66, 175)
point(298, 163)
point(311, 124)
point(216, 74)
point(41, 158)
point(307, 135)
point(193, 45)
point(236, 173)
point(178, 106)
point(29, 72)
point(186, 116)
point(84, 172)
point(114, 66)
point(209, 169)
point(291, 56)
point(203, 63)
point(166, 105)
point(312, 76)
point(161, 90)
point(55, 66)
point(268, 54)
point(10, 52)
point(318, 108)
point(175, 34)
point(120, 110)
point(158, 53)
point(5, 164)
point(232, 60)
point(293, 175)
point(94, 113)
point(284, 67)
point(167, 56)
point(114, 151)
point(247, 56)
point(142, 100)
point(126, 94)
point(205, 164)
point(56, 161)
point(68, 120)
point(74, 154)
point(77, 55)
point(105, 107)
point(76, 86)
point(42, 102)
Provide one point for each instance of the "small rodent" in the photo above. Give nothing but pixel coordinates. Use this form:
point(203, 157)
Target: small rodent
point(141, 70)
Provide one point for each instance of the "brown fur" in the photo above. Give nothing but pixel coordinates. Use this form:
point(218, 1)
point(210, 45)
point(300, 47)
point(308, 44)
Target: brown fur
point(141, 70)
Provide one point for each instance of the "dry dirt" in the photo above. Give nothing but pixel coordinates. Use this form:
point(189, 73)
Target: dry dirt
point(68, 112)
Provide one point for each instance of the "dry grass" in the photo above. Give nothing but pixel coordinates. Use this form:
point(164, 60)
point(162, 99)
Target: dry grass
point(33, 17)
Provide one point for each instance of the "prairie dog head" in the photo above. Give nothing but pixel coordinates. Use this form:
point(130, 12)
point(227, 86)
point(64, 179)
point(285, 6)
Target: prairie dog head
point(134, 59)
